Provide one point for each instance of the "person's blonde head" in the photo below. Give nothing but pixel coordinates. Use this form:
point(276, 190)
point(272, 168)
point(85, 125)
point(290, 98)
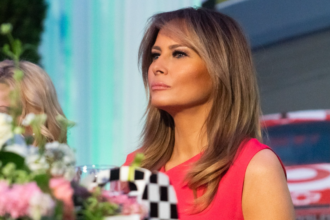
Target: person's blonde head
point(234, 116)
point(38, 95)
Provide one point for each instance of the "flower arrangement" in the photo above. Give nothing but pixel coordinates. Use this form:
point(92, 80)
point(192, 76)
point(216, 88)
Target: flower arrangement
point(36, 182)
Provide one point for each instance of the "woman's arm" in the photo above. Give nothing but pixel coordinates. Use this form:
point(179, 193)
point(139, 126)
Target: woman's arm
point(265, 193)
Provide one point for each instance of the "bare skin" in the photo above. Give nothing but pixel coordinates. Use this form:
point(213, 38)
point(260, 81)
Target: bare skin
point(265, 192)
point(186, 96)
point(180, 85)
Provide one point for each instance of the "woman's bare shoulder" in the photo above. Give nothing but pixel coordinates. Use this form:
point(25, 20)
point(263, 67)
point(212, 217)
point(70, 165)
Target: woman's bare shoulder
point(265, 192)
point(263, 162)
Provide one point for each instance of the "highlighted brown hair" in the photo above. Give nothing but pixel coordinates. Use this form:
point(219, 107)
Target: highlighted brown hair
point(234, 116)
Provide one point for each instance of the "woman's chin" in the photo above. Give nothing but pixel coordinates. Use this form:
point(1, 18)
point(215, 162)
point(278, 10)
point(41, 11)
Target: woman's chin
point(163, 105)
point(158, 103)
point(168, 107)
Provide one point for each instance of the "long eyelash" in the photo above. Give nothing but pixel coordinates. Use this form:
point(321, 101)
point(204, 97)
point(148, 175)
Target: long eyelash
point(153, 55)
point(175, 53)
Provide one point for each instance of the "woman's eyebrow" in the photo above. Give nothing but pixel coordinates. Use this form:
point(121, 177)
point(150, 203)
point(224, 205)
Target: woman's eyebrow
point(156, 48)
point(172, 47)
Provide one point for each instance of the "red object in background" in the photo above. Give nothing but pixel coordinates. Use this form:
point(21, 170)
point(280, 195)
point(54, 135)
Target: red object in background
point(309, 184)
point(294, 117)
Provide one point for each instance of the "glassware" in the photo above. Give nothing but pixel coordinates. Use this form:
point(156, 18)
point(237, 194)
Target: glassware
point(91, 171)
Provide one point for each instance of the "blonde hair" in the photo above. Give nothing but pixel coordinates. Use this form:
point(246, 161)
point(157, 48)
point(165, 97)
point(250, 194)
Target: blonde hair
point(234, 116)
point(38, 95)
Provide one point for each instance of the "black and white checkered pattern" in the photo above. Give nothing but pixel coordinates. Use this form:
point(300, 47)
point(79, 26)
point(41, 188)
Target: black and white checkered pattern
point(159, 195)
point(141, 177)
point(153, 190)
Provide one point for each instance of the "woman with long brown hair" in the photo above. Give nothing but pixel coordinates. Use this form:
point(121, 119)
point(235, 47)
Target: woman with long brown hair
point(202, 122)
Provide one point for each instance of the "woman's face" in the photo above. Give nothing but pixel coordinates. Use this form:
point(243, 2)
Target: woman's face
point(178, 77)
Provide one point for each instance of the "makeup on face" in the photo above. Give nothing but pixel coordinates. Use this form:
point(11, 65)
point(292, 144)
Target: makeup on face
point(177, 76)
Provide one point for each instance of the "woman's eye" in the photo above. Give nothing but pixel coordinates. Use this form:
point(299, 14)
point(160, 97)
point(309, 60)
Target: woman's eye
point(155, 56)
point(179, 54)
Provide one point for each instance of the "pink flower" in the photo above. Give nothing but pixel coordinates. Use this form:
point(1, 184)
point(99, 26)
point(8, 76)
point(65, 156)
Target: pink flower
point(118, 199)
point(63, 191)
point(3, 197)
point(129, 205)
point(131, 208)
point(18, 199)
point(23, 200)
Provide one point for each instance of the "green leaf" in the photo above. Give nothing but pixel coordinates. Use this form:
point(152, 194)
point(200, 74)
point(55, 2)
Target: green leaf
point(65, 122)
point(8, 169)
point(42, 181)
point(21, 176)
point(6, 50)
point(10, 157)
point(58, 212)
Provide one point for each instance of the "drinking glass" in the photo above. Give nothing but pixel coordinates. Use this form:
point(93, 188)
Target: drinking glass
point(85, 171)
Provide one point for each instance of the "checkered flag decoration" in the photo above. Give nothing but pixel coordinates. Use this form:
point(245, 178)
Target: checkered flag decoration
point(159, 195)
point(141, 177)
point(152, 189)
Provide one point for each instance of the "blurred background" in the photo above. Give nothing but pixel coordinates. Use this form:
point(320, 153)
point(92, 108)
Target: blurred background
point(89, 49)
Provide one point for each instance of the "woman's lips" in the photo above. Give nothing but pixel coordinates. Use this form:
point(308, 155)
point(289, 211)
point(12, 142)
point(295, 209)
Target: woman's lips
point(159, 86)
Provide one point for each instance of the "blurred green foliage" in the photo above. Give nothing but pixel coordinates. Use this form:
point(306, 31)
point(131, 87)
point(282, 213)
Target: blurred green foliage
point(26, 17)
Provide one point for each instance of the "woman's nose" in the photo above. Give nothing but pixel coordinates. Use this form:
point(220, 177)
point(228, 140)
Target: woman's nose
point(158, 66)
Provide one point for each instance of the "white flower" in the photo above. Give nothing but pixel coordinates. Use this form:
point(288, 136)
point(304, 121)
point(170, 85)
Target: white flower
point(70, 172)
point(58, 158)
point(17, 149)
point(28, 119)
point(61, 169)
point(62, 158)
point(60, 152)
point(5, 128)
point(41, 204)
point(58, 168)
point(52, 146)
point(35, 161)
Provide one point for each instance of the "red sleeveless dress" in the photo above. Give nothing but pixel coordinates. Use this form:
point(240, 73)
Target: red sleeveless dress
point(227, 203)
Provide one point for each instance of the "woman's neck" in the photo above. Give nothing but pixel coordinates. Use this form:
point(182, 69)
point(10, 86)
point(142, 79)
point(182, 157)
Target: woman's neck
point(190, 133)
